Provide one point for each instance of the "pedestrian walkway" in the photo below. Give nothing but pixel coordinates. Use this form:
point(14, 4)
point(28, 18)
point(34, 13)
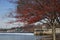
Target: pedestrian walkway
point(47, 37)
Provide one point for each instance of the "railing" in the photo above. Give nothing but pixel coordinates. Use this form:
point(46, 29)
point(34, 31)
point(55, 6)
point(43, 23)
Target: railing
point(46, 32)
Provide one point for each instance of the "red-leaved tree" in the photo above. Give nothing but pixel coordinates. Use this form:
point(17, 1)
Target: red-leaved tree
point(31, 11)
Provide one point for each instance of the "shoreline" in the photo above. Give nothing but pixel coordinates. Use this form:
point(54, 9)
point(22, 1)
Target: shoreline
point(18, 33)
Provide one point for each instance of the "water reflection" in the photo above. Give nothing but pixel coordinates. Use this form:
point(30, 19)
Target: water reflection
point(16, 37)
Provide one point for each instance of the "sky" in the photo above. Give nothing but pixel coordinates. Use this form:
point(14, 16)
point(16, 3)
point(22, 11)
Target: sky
point(5, 8)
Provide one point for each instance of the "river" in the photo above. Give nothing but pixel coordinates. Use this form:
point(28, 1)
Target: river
point(17, 36)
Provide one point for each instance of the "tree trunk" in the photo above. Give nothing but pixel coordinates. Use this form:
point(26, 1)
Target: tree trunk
point(53, 32)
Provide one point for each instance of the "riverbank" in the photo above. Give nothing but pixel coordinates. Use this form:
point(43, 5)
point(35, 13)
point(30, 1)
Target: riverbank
point(17, 33)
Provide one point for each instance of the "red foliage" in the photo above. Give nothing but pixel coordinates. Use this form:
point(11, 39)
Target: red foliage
point(34, 10)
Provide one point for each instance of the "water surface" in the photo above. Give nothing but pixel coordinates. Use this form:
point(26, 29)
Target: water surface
point(17, 36)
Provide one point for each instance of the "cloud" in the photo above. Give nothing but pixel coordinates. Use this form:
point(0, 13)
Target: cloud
point(4, 24)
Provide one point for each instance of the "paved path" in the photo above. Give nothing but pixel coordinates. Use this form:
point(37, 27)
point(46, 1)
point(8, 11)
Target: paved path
point(48, 37)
